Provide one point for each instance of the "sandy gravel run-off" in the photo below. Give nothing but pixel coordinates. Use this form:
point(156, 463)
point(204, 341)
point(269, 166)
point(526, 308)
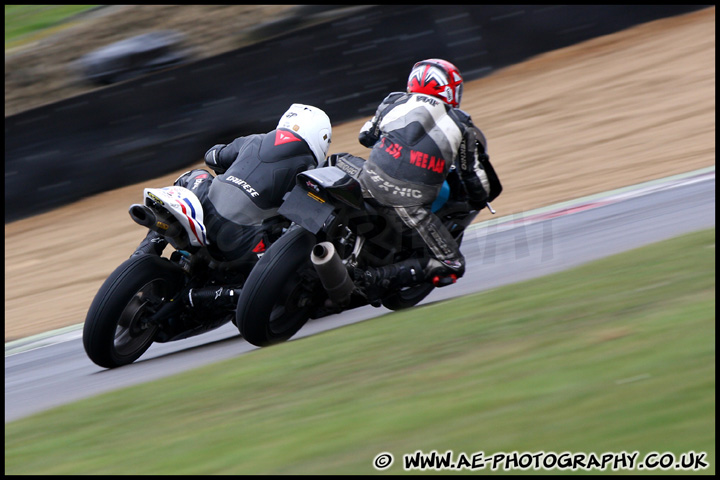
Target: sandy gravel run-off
point(613, 111)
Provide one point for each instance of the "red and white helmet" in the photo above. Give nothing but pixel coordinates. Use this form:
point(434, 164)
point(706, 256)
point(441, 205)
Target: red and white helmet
point(438, 78)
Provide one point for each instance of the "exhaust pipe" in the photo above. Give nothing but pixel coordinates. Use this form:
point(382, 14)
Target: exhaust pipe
point(168, 228)
point(332, 272)
point(142, 215)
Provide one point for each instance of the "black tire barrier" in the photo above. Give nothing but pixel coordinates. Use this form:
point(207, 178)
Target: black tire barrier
point(150, 126)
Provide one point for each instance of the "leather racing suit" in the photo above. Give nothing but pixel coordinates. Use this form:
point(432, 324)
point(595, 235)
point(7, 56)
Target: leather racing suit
point(416, 140)
point(254, 173)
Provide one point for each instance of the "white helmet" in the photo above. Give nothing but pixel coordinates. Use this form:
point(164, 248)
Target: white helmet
point(312, 125)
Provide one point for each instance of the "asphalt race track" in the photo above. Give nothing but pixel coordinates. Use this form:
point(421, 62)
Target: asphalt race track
point(41, 373)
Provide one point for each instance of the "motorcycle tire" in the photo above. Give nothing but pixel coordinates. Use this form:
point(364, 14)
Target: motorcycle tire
point(408, 297)
point(268, 311)
point(113, 334)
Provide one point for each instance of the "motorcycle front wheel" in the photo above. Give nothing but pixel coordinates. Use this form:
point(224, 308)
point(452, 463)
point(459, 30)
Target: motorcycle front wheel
point(411, 296)
point(408, 297)
point(115, 331)
point(272, 305)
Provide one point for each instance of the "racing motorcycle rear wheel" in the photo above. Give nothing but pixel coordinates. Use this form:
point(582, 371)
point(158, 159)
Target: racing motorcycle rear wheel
point(275, 302)
point(116, 332)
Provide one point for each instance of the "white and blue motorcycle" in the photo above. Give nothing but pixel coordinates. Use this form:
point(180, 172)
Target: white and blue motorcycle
point(150, 298)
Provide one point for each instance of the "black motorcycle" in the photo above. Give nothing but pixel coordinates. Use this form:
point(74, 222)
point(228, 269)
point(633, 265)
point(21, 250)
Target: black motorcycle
point(150, 298)
point(312, 270)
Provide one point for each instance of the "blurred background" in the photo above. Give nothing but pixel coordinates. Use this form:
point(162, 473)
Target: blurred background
point(119, 94)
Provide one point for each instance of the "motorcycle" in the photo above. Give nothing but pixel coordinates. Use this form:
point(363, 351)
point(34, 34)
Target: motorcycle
point(306, 273)
point(150, 298)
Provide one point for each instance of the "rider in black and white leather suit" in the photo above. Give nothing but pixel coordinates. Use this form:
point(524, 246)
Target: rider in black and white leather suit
point(416, 138)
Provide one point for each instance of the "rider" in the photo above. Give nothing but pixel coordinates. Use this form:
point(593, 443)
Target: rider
point(416, 139)
point(254, 173)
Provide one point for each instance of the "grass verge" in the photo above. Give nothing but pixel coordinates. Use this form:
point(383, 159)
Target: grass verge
point(615, 356)
point(29, 22)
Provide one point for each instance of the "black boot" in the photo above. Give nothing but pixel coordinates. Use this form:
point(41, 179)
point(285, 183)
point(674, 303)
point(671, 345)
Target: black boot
point(398, 275)
point(443, 273)
point(153, 243)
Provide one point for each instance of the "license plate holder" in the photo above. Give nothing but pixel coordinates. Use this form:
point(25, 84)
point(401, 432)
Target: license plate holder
point(307, 209)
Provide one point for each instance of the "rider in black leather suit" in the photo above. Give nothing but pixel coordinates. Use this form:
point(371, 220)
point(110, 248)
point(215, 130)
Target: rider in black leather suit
point(254, 173)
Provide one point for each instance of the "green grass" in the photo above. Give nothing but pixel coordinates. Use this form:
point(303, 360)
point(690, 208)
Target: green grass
point(28, 22)
point(614, 356)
